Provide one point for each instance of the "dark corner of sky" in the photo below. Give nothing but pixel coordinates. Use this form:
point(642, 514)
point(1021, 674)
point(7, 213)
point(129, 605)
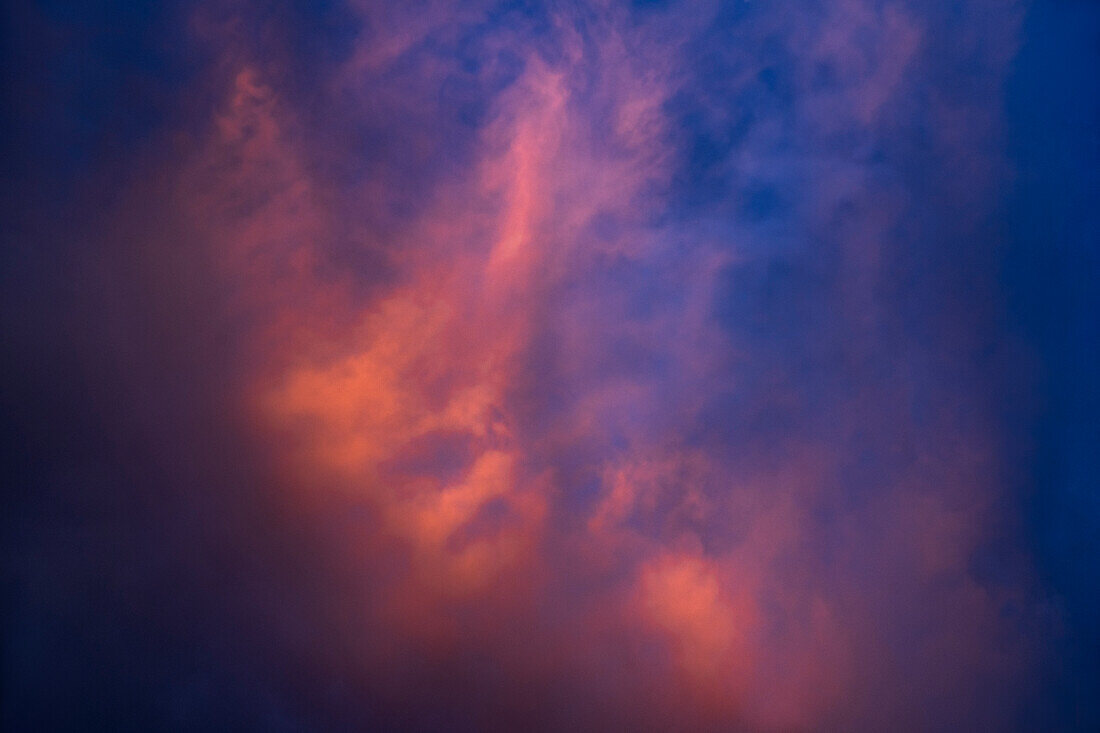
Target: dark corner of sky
point(1049, 273)
point(662, 365)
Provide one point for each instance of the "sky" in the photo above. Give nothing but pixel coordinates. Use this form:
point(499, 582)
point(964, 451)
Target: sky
point(550, 366)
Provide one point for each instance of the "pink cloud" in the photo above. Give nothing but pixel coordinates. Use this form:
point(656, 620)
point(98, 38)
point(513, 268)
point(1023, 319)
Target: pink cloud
point(452, 396)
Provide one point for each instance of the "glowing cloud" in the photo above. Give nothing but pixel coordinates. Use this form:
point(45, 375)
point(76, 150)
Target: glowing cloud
point(610, 353)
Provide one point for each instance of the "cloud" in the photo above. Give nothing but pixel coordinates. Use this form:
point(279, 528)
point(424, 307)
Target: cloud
point(569, 363)
point(614, 366)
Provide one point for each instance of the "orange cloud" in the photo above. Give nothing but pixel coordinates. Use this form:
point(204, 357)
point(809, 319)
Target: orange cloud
point(521, 425)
